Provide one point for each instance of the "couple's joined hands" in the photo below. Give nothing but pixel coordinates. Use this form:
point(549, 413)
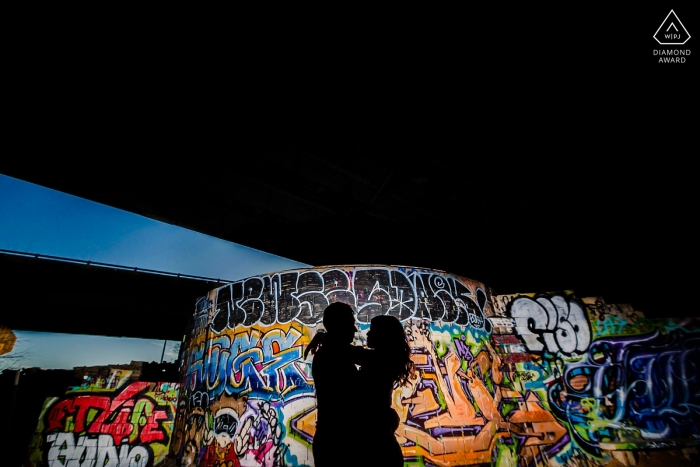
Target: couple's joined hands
point(315, 343)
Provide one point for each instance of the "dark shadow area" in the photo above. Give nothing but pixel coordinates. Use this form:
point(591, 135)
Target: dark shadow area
point(25, 401)
point(63, 297)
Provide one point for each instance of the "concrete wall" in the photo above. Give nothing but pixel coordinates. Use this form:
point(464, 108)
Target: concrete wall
point(528, 379)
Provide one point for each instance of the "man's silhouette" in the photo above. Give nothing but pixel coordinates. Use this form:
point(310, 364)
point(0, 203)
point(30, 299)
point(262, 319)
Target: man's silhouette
point(332, 370)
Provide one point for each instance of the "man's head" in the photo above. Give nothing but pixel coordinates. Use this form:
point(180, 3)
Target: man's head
point(339, 321)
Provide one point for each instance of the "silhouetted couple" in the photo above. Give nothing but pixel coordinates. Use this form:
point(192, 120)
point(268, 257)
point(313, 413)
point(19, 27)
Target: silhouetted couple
point(356, 404)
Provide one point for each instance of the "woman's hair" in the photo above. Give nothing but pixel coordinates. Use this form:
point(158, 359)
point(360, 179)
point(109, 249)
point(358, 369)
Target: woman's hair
point(388, 337)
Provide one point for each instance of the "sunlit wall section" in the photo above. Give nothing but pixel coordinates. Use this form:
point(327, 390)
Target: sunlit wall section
point(505, 380)
point(247, 394)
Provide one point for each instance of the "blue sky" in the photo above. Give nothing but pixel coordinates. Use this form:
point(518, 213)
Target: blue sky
point(35, 219)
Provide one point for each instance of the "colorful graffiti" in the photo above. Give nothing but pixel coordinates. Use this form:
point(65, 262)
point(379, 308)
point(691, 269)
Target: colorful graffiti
point(235, 387)
point(646, 386)
point(301, 296)
point(503, 380)
point(127, 427)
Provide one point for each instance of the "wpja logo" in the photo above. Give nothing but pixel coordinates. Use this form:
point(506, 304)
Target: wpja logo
point(671, 32)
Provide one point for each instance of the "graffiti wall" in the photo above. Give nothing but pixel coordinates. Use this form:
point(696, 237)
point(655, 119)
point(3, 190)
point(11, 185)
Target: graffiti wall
point(504, 380)
point(612, 379)
point(106, 424)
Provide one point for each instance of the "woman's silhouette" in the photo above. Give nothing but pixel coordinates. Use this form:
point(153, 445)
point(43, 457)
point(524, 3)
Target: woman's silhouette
point(385, 366)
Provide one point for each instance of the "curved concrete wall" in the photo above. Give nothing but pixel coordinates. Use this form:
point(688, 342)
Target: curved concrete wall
point(503, 380)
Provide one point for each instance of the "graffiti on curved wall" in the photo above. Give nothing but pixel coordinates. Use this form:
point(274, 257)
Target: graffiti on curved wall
point(301, 296)
point(129, 426)
point(248, 393)
point(504, 380)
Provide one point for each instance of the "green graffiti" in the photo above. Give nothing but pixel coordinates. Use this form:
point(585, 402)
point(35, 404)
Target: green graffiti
point(440, 349)
point(143, 410)
point(507, 407)
point(506, 457)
